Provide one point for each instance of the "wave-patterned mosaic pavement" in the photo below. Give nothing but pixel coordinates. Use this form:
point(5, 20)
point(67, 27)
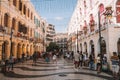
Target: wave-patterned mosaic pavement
point(63, 70)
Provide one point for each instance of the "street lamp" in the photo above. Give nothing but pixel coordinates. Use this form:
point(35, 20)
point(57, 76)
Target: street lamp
point(43, 44)
point(3, 46)
point(100, 38)
point(11, 35)
point(77, 41)
point(108, 14)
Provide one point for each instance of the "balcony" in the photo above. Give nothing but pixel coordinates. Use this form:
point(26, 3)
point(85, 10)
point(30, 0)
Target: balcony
point(23, 36)
point(38, 40)
point(31, 39)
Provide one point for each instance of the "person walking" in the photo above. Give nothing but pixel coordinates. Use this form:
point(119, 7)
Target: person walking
point(76, 60)
point(91, 61)
point(47, 58)
point(98, 64)
point(54, 58)
point(23, 57)
point(11, 63)
point(34, 58)
point(81, 57)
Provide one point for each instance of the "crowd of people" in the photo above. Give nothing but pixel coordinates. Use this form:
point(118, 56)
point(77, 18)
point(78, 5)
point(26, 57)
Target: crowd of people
point(80, 60)
point(99, 64)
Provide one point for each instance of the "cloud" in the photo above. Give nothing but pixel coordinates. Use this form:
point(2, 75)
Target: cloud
point(59, 18)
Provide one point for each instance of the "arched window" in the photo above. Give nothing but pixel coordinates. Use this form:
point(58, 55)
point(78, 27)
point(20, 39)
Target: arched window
point(6, 20)
point(101, 8)
point(20, 5)
point(19, 26)
point(31, 15)
point(85, 46)
point(85, 6)
point(80, 11)
point(92, 23)
point(102, 17)
point(28, 12)
point(118, 44)
point(14, 2)
point(85, 27)
point(13, 23)
point(24, 11)
point(118, 11)
point(91, 4)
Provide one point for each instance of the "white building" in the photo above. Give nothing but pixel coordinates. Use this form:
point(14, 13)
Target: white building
point(50, 33)
point(85, 23)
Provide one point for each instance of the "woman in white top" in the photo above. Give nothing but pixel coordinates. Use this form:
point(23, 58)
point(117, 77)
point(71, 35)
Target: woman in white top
point(54, 59)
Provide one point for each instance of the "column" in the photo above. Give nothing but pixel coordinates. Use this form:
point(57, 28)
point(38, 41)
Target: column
point(1, 50)
point(25, 49)
point(10, 2)
point(16, 26)
point(28, 49)
point(31, 50)
point(17, 5)
point(20, 51)
point(7, 50)
point(14, 50)
point(22, 8)
point(2, 19)
point(9, 25)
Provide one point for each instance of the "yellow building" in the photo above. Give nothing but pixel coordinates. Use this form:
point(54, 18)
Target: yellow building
point(18, 24)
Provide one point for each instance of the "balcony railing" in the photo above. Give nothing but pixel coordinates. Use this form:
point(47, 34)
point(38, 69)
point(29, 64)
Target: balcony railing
point(21, 35)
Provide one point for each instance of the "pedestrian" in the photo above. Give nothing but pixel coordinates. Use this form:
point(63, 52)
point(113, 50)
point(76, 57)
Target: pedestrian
point(23, 57)
point(47, 59)
point(98, 64)
point(11, 63)
point(6, 65)
point(91, 61)
point(72, 55)
point(115, 65)
point(76, 60)
point(119, 65)
point(104, 63)
point(34, 58)
point(54, 58)
point(81, 56)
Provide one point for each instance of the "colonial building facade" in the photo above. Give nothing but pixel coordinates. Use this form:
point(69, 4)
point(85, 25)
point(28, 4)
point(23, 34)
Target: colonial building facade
point(95, 24)
point(21, 29)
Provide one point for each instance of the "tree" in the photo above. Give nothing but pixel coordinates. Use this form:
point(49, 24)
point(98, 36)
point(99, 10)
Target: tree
point(52, 47)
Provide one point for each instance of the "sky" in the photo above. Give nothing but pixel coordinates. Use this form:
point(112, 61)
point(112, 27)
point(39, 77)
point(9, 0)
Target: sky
point(56, 12)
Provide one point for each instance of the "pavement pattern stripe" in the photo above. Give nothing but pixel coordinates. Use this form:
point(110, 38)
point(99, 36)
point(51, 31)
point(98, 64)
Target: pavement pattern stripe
point(63, 69)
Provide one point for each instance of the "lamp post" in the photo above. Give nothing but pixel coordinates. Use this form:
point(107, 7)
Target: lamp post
point(11, 34)
point(77, 41)
point(3, 46)
point(71, 43)
point(43, 44)
point(100, 38)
